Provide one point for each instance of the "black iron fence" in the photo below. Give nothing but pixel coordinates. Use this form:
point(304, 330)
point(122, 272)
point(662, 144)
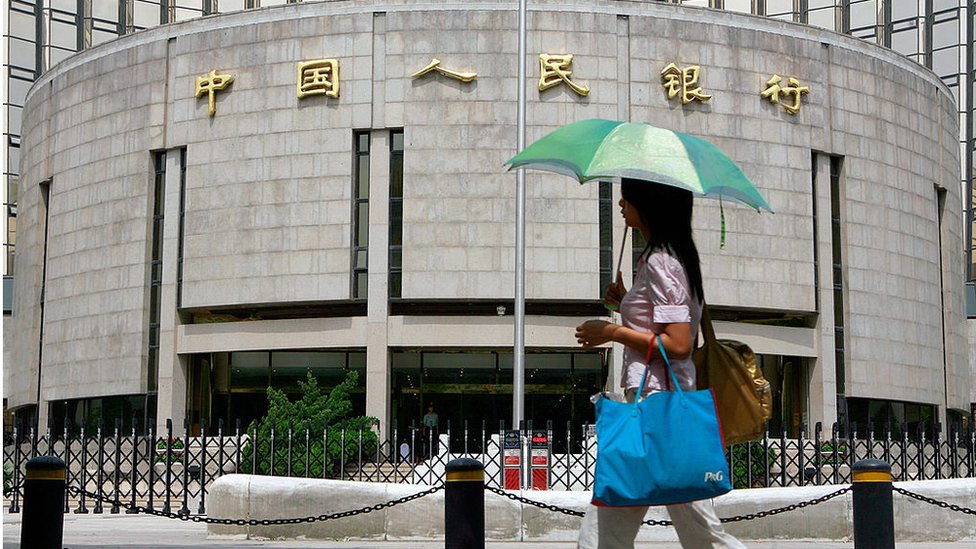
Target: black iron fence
point(171, 470)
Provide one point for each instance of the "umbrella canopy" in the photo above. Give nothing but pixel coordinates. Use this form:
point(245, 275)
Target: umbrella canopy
point(604, 149)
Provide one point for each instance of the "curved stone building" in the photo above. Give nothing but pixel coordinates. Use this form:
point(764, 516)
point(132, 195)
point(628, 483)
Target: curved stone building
point(213, 206)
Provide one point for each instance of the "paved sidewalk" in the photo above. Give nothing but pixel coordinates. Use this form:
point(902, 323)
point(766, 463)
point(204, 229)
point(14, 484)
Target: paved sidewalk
point(147, 532)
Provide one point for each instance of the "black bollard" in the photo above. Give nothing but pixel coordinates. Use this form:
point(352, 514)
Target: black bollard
point(42, 525)
point(464, 504)
point(874, 515)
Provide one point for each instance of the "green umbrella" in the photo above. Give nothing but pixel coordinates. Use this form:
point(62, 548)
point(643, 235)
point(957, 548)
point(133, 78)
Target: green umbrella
point(605, 149)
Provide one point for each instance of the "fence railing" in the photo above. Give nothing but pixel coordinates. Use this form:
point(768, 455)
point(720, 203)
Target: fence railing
point(171, 471)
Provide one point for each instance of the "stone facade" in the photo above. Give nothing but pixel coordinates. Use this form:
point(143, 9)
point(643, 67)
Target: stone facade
point(268, 193)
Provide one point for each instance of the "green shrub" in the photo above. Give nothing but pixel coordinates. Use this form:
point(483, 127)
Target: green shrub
point(761, 460)
point(313, 410)
point(8, 478)
point(827, 452)
point(175, 450)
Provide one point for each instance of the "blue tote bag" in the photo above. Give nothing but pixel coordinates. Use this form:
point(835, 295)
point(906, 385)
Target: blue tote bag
point(665, 448)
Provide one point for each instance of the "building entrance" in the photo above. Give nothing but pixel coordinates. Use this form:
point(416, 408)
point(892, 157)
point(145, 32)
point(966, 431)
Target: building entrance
point(472, 392)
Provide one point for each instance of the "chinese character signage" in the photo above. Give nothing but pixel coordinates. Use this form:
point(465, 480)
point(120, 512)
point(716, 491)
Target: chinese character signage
point(210, 84)
point(435, 65)
point(319, 77)
point(792, 91)
point(555, 70)
point(683, 82)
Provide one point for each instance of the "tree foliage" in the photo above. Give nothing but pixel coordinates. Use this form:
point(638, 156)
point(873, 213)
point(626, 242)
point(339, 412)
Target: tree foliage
point(751, 459)
point(322, 432)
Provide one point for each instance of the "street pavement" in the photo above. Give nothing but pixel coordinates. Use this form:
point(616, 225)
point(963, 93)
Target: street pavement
point(147, 532)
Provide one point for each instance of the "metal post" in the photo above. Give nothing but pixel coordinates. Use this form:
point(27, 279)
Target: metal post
point(152, 456)
point(308, 448)
point(42, 525)
point(116, 474)
point(169, 465)
point(220, 449)
point(325, 449)
point(818, 452)
point(100, 475)
point(202, 509)
point(67, 460)
point(464, 504)
point(134, 468)
point(874, 523)
point(15, 501)
point(272, 457)
point(518, 365)
point(185, 510)
point(254, 449)
point(291, 429)
point(82, 504)
point(525, 450)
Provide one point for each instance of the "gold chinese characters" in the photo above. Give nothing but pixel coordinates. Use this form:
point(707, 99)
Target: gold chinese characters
point(682, 81)
point(435, 65)
point(555, 70)
point(774, 90)
point(211, 84)
point(319, 77)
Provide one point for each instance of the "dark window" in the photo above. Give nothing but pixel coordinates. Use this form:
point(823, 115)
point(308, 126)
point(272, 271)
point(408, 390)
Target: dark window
point(838, 272)
point(637, 247)
point(360, 213)
point(606, 236)
point(901, 419)
point(396, 213)
point(155, 268)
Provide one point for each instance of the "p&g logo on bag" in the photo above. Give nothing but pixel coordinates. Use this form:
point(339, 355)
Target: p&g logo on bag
point(717, 476)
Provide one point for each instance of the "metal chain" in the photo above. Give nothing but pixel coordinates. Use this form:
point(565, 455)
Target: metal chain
point(793, 507)
point(539, 504)
point(652, 522)
point(254, 522)
point(548, 506)
point(935, 502)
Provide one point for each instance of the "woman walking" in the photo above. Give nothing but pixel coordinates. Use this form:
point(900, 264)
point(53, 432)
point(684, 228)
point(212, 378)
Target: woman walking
point(666, 300)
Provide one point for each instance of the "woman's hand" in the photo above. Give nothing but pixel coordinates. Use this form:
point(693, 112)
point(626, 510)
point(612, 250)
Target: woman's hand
point(615, 292)
point(595, 332)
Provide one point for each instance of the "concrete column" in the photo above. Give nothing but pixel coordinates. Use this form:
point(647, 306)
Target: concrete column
point(378, 108)
point(377, 354)
point(823, 382)
point(171, 389)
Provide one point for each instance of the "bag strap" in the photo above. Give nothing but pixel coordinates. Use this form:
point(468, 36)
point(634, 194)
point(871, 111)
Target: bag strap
point(706, 325)
point(673, 378)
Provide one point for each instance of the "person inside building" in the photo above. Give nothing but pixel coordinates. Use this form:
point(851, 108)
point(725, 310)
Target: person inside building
point(430, 431)
point(666, 300)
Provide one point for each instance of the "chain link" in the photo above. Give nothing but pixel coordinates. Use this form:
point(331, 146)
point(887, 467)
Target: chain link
point(652, 522)
point(510, 495)
point(253, 522)
point(935, 502)
point(539, 504)
point(795, 506)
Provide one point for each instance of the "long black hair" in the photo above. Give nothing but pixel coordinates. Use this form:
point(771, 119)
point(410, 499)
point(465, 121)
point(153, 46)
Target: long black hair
point(666, 212)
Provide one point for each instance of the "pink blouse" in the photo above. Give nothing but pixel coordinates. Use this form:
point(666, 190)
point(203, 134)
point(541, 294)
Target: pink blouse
point(661, 294)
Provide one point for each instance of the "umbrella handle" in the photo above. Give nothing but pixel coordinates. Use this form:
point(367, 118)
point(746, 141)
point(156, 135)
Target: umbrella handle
point(620, 258)
point(623, 242)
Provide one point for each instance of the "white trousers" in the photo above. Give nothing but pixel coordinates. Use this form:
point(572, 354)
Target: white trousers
point(697, 525)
